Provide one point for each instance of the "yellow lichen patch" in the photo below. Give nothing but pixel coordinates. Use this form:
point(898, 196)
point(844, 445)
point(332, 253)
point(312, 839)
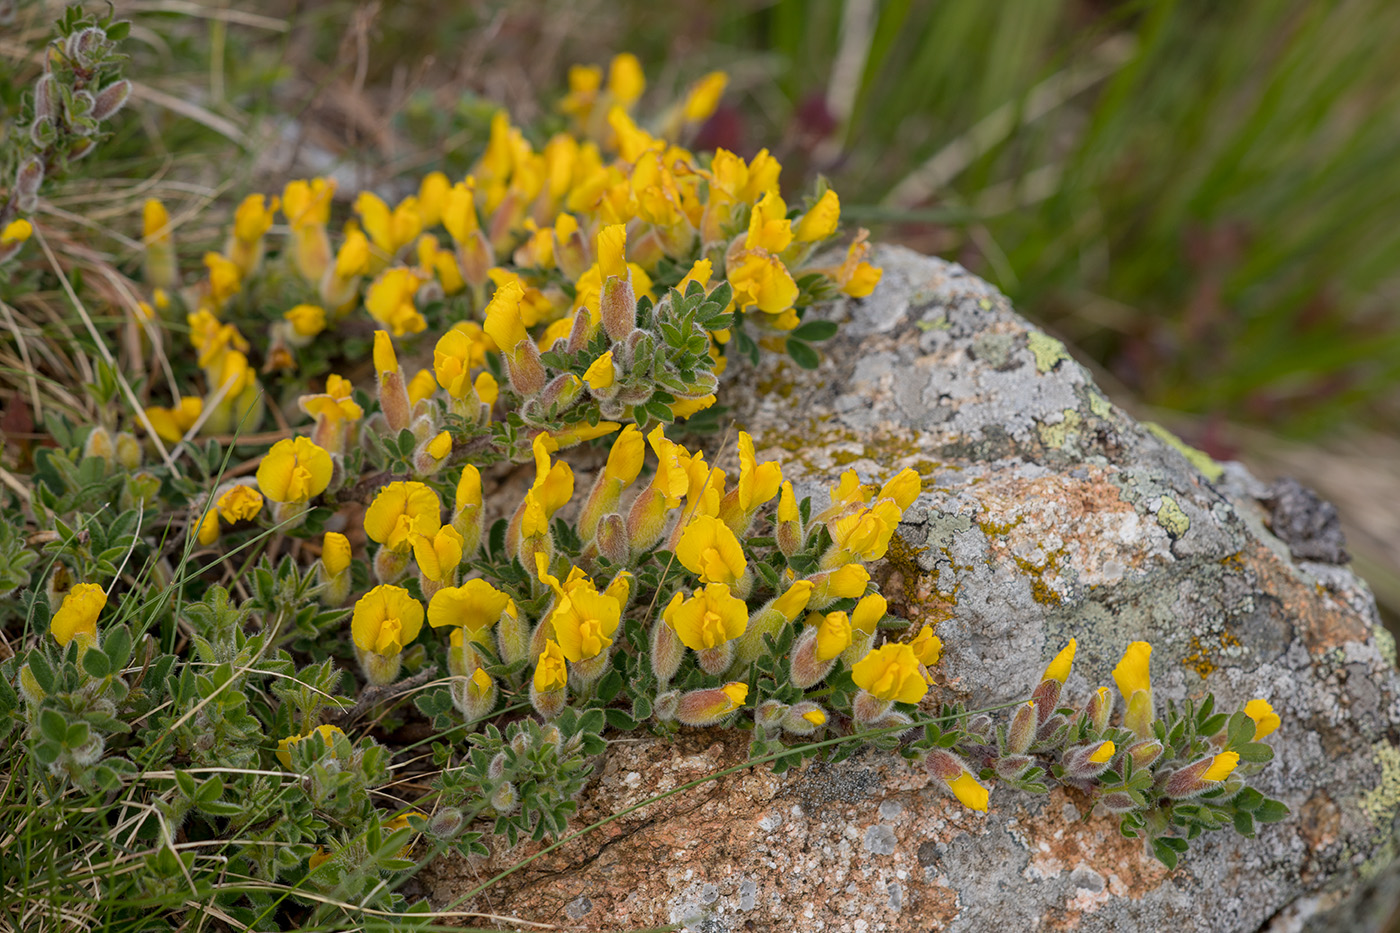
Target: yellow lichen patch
point(1198, 458)
point(1048, 351)
point(1170, 517)
point(1056, 435)
point(992, 529)
point(1379, 803)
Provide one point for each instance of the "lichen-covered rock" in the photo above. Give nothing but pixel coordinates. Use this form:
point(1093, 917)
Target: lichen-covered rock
point(1046, 513)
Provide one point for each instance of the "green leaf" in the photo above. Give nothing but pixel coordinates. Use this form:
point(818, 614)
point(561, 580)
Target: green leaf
point(1244, 824)
point(1165, 854)
point(621, 721)
point(1255, 752)
point(802, 354)
point(39, 667)
point(814, 331)
point(96, 664)
point(1272, 811)
point(1248, 800)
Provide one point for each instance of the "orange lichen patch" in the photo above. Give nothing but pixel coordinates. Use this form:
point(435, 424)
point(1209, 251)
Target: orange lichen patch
point(1060, 845)
point(1200, 660)
point(1321, 620)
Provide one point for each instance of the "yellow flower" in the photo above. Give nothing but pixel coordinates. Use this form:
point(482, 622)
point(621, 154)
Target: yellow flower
point(77, 616)
point(1132, 674)
point(612, 244)
point(866, 534)
point(927, 647)
point(551, 673)
point(307, 203)
point(794, 599)
point(769, 228)
point(240, 504)
point(503, 322)
point(475, 606)
point(155, 220)
point(170, 424)
point(458, 351)
point(440, 446)
point(438, 555)
point(487, 389)
point(584, 620)
point(815, 716)
point(17, 231)
point(855, 276)
point(833, 635)
point(294, 470)
point(208, 531)
point(625, 79)
point(400, 510)
point(1265, 719)
point(389, 300)
point(686, 407)
point(1221, 767)
point(252, 218)
point(553, 486)
point(903, 488)
point(736, 692)
point(224, 279)
point(335, 404)
point(891, 672)
point(284, 746)
point(432, 197)
point(1058, 669)
point(352, 260)
point(306, 320)
point(762, 280)
point(600, 374)
point(787, 504)
point(758, 482)
point(1103, 753)
point(972, 794)
point(335, 553)
point(703, 97)
point(385, 620)
point(708, 619)
point(821, 221)
point(710, 550)
point(421, 386)
point(459, 212)
point(868, 612)
point(391, 231)
point(468, 492)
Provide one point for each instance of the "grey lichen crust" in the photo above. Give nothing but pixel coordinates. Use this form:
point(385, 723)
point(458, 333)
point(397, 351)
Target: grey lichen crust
point(1049, 513)
point(1046, 513)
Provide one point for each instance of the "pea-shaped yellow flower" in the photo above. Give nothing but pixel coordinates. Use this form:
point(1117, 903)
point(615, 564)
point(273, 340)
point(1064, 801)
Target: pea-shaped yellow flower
point(77, 616)
point(868, 612)
point(551, 673)
point(584, 621)
point(240, 504)
point(327, 735)
point(385, 620)
point(1265, 719)
point(927, 647)
point(400, 510)
point(833, 635)
point(708, 619)
point(438, 555)
point(891, 672)
point(820, 222)
point(710, 550)
point(335, 553)
point(294, 470)
point(474, 606)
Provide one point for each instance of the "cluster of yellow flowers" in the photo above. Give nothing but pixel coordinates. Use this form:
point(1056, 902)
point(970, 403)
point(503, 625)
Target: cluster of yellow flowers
point(581, 223)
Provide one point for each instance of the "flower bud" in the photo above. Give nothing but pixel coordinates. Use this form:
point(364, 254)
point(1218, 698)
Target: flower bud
point(446, 823)
point(584, 674)
point(432, 453)
point(1201, 776)
point(806, 668)
point(475, 696)
point(393, 391)
point(612, 538)
point(504, 798)
point(1086, 762)
point(561, 392)
point(1052, 732)
point(1144, 753)
point(128, 451)
point(663, 708)
point(1117, 803)
point(379, 669)
point(29, 687)
point(111, 99)
point(706, 707)
point(716, 660)
point(389, 565)
point(617, 306)
point(804, 718)
point(99, 444)
point(1011, 767)
point(581, 333)
point(953, 772)
point(769, 714)
point(1046, 697)
point(27, 181)
point(512, 636)
point(667, 650)
point(868, 709)
point(1099, 709)
point(1021, 733)
point(525, 369)
point(548, 703)
point(842, 583)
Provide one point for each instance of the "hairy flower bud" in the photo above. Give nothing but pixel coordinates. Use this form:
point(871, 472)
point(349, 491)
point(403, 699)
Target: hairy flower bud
point(44, 97)
point(769, 714)
point(868, 709)
point(1012, 767)
point(706, 707)
point(1021, 733)
point(1086, 762)
point(667, 650)
point(1099, 709)
point(1144, 753)
point(27, 181)
point(954, 772)
point(504, 798)
point(111, 99)
point(1201, 776)
point(663, 708)
point(804, 718)
point(1117, 803)
point(446, 823)
point(475, 696)
point(807, 668)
